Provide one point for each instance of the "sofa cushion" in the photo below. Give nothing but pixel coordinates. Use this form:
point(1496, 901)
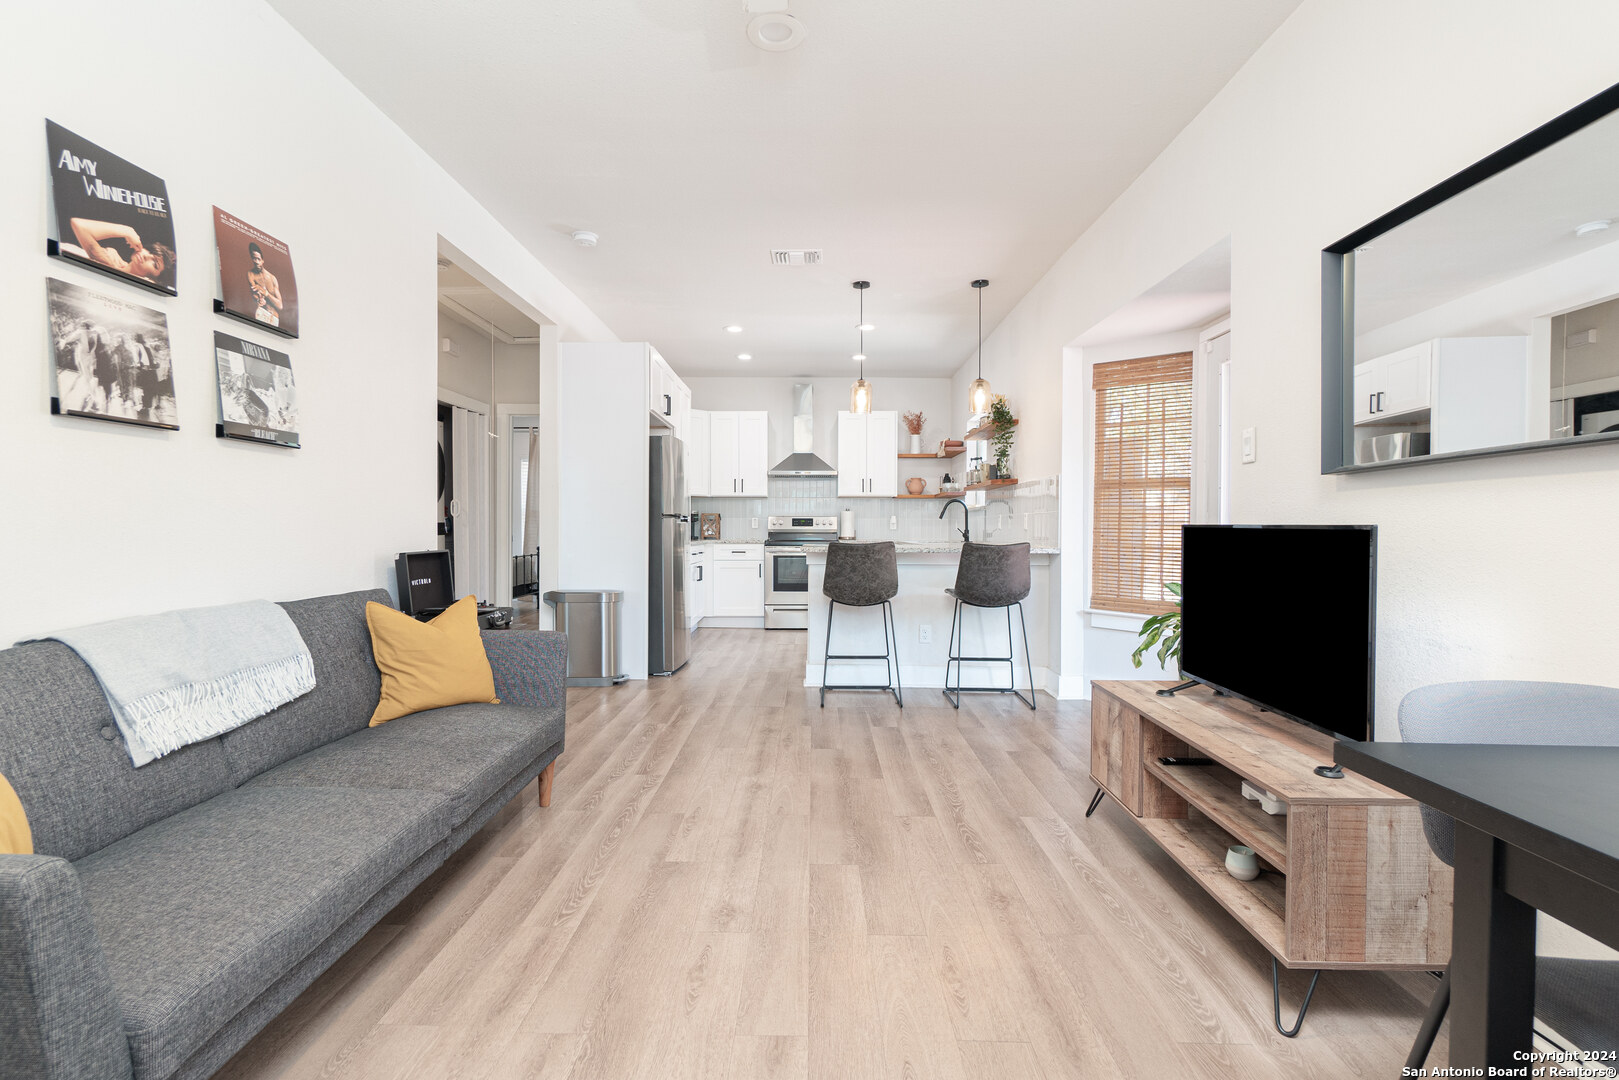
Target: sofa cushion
point(466, 752)
point(347, 686)
point(200, 913)
point(429, 665)
point(63, 755)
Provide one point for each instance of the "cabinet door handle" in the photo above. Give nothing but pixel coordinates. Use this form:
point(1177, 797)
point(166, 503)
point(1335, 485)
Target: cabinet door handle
point(761, 570)
point(668, 405)
point(1371, 404)
point(1380, 401)
point(699, 573)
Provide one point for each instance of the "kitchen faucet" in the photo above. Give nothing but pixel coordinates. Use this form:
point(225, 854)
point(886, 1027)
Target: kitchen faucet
point(966, 518)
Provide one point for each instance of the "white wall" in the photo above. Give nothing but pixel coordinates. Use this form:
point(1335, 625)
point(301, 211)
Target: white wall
point(115, 520)
point(775, 395)
point(1488, 568)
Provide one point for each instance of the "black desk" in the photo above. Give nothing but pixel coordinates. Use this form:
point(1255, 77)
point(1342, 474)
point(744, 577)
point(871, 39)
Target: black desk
point(1536, 827)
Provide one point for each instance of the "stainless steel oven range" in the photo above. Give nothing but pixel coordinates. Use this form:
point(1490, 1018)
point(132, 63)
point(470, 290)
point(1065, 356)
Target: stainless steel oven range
point(787, 568)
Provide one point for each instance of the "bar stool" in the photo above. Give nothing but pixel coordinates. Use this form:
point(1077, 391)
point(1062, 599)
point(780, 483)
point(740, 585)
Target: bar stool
point(863, 575)
point(990, 576)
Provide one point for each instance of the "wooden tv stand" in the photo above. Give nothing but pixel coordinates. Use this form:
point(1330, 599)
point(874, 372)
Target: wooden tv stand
point(1355, 883)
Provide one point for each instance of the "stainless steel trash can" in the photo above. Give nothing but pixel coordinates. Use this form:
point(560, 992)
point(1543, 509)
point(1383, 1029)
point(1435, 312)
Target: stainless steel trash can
point(590, 618)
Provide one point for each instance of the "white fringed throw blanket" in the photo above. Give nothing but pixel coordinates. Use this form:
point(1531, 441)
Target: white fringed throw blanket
point(185, 676)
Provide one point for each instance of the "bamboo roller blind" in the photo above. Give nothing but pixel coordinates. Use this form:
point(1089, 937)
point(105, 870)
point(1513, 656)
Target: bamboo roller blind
point(1143, 481)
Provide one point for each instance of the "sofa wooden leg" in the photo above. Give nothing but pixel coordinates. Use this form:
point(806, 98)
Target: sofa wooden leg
point(546, 776)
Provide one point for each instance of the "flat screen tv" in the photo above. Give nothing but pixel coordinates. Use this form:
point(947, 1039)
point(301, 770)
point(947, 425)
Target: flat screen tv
point(1284, 616)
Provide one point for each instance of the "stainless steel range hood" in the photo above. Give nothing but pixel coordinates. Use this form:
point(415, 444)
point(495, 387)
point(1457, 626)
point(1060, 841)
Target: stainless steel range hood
point(802, 461)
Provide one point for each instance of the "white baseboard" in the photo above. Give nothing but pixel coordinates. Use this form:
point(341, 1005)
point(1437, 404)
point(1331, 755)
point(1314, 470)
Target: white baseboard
point(1072, 688)
point(734, 622)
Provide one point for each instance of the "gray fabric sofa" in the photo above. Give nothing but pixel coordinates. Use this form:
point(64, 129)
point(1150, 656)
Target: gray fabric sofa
point(170, 912)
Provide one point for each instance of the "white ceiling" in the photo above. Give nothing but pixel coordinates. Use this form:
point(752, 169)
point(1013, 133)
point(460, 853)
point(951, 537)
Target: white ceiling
point(920, 143)
point(469, 301)
point(1193, 296)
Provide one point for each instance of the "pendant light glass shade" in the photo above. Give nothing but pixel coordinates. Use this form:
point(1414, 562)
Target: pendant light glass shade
point(860, 390)
point(860, 397)
point(979, 395)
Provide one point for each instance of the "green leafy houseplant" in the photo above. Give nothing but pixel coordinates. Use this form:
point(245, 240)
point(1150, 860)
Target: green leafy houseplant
point(1163, 631)
point(1002, 421)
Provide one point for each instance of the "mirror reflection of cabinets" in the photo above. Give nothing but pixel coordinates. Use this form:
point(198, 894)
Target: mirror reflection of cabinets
point(1481, 317)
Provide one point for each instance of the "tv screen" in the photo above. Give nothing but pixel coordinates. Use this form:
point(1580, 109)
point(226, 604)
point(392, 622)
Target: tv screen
point(1284, 616)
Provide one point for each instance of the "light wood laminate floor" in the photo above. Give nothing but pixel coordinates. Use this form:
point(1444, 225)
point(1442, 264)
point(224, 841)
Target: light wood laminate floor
point(733, 883)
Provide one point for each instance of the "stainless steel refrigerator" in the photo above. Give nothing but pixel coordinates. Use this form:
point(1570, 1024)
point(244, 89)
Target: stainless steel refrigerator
point(668, 636)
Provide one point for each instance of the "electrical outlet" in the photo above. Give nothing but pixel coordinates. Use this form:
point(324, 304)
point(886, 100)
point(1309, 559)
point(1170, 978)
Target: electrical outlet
point(755, 525)
point(926, 631)
point(893, 521)
point(1248, 454)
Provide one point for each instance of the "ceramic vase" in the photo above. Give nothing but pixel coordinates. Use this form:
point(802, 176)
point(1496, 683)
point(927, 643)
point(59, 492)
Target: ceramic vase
point(1241, 862)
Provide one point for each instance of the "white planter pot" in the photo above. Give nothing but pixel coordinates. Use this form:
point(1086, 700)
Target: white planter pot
point(916, 444)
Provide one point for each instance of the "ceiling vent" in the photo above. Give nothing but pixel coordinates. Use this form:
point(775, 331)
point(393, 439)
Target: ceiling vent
point(787, 257)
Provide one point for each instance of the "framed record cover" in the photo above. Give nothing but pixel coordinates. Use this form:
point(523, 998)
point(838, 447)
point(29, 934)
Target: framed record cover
point(110, 358)
point(110, 215)
point(255, 276)
point(257, 401)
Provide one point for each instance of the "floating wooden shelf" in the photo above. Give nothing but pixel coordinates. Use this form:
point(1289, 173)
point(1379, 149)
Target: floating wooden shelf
point(930, 495)
point(978, 434)
point(987, 484)
point(954, 451)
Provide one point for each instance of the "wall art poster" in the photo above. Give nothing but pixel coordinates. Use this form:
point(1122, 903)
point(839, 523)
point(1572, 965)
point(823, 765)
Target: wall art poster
point(256, 396)
point(110, 357)
point(255, 275)
point(110, 214)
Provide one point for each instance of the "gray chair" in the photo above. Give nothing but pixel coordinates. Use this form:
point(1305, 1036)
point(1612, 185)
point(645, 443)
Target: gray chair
point(990, 576)
point(863, 575)
point(1579, 999)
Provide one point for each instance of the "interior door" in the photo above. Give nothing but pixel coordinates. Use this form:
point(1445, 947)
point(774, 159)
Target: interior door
point(753, 453)
point(722, 450)
point(851, 454)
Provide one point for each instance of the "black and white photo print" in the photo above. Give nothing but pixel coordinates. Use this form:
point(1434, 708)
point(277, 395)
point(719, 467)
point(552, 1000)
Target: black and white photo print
point(110, 358)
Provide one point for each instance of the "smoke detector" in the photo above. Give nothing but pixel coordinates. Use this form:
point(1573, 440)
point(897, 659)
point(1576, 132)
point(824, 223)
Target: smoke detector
point(771, 28)
point(585, 239)
point(795, 256)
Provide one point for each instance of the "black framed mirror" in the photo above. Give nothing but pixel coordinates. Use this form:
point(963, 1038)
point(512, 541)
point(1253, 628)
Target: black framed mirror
point(1482, 316)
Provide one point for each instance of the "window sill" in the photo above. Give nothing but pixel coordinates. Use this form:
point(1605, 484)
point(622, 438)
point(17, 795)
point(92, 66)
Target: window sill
point(1116, 620)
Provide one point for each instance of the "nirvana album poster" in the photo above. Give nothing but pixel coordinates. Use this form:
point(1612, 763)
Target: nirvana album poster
point(255, 275)
point(256, 397)
point(111, 358)
point(109, 214)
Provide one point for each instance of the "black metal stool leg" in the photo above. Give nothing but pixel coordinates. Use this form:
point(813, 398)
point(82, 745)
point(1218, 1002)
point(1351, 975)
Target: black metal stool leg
point(1027, 661)
point(899, 692)
point(1276, 999)
point(1096, 800)
point(955, 618)
point(826, 654)
point(1430, 1026)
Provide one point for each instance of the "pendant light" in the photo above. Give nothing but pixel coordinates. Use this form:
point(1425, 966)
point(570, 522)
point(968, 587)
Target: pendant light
point(978, 395)
point(860, 392)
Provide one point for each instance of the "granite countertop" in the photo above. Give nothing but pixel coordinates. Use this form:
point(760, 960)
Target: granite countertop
point(902, 547)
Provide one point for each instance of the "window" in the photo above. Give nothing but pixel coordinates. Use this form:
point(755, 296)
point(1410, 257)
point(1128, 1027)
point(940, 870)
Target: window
point(1143, 492)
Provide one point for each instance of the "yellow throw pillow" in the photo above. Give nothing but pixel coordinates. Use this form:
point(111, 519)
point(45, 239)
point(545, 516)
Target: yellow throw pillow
point(15, 836)
point(429, 665)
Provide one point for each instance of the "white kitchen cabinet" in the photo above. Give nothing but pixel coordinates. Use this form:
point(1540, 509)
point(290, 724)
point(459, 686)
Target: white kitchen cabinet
point(697, 587)
point(738, 576)
point(1473, 392)
point(682, 409)
point(739, 454)
point(699, 476)
point(868, 454)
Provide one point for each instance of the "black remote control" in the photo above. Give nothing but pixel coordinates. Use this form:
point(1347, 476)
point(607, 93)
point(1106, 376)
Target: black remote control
point(1185, 761)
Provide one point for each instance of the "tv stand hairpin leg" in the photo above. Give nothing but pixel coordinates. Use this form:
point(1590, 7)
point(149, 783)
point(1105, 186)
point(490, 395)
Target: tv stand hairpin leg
point(1096, 800)
point(1276, 999)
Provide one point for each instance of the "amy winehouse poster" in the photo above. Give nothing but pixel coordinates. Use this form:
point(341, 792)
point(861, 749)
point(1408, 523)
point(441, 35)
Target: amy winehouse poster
point(110, 215)
point(257, 401)
point(255, 275)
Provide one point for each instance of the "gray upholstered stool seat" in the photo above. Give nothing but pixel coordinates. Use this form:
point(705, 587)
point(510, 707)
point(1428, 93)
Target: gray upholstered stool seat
point(990, 576)
point(863, 575)
point(1578, 999)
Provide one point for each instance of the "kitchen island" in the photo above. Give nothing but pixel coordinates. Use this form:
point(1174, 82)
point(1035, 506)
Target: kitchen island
point(922, 610)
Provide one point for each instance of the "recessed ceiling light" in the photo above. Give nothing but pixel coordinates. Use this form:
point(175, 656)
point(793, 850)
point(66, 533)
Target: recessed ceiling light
point(1590, 227)
point(744, 356)
point(775, 31)
point(733, 329)
point(865, 328)
point(858, 356)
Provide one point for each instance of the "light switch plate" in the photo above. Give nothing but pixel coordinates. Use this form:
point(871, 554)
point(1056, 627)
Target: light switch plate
point(755, 524)
point(1248, 454)
point(926, 632)
point(893, 521)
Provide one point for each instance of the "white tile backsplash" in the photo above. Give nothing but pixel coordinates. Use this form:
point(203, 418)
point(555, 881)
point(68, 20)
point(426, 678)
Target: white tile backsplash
point(1009, 515)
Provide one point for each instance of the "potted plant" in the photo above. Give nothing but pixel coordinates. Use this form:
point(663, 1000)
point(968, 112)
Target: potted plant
point(1163, 631)
point(913, 422)
point(1002, 423)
